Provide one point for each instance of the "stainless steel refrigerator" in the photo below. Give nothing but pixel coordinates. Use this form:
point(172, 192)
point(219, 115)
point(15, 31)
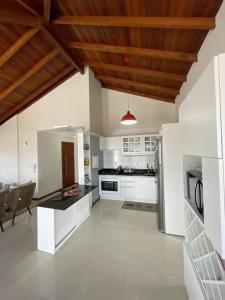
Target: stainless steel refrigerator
point(160, 190)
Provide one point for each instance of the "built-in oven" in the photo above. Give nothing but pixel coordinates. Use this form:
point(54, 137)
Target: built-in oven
point(109, 185)
point(195, 190)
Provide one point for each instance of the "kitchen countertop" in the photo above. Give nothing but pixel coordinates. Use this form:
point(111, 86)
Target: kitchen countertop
point(135, 172)
point(62, 203)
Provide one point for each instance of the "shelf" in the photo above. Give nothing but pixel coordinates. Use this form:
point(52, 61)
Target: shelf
point(214, 282)
point(204, 257)
point(194, 211)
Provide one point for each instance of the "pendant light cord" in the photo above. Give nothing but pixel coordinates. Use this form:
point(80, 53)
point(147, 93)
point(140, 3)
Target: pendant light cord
point(128, 98)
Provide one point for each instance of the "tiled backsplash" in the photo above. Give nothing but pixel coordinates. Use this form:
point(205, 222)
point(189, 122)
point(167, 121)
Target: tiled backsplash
point(114, 159)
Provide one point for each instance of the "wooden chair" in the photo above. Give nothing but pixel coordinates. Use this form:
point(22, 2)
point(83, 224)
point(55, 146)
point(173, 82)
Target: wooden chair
point(3, 206)
point(20, 198)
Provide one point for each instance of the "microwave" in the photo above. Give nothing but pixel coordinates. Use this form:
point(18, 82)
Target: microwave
point(195, 190)
point(109, 185)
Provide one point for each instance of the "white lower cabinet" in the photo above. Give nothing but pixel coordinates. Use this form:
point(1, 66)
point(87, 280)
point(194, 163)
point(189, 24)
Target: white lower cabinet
point(82, 209)
point(214, 203)
point(65, 221)
point(127, 186)
point(134, 188)
point(145, 189)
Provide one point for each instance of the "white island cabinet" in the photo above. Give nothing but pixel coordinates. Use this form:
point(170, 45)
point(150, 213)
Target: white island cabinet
point(58, 218)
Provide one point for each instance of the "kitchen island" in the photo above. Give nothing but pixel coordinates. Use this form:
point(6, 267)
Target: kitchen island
point(59, 216)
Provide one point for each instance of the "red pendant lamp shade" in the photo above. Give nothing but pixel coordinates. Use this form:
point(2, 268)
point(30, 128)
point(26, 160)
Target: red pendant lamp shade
point(128, 119)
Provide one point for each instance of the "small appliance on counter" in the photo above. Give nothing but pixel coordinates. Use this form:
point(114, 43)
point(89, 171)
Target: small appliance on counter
point(195, 190)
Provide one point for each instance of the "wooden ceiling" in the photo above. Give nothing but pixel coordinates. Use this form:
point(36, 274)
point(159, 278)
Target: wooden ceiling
point(142, 47)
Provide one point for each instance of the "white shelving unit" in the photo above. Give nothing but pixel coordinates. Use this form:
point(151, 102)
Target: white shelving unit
point(87, 158)
point(205, 259)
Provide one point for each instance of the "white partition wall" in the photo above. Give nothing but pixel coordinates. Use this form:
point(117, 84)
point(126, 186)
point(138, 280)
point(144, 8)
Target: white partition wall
point(202, 119)
point(173, 179)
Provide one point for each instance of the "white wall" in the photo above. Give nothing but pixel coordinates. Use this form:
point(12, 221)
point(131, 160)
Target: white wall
point(149, 113)
point(213, 45)
point(8, 152)
point(50, 162)
point(68, 104)
point(173, 179)
point(95, 100)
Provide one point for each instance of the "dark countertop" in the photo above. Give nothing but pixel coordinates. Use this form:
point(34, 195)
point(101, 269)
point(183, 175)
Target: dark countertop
point(62, 203)
point(135, 172)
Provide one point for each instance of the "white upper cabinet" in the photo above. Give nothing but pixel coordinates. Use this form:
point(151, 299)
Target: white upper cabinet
point(139, 145)
point(200, 113)
point(111, 143)
point(150, 143)
point(214, 207)
point(132, 145)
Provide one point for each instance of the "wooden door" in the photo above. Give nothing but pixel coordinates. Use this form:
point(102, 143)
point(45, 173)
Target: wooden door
point(68, 177)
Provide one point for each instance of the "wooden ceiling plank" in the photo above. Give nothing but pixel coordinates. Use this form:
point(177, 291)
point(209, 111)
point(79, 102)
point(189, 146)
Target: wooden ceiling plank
point(47, 11)
point(28, 7)
point(134, 70)
point(192, 23)
point(138, 93)
point(15, 17)
point(172, 55)
point(138, 84)
point(38, 93)
point(17, 45)
point(29, 73)
point(63, 49)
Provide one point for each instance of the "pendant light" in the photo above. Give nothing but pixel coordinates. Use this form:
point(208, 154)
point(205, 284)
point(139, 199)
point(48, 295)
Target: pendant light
point(128, 118)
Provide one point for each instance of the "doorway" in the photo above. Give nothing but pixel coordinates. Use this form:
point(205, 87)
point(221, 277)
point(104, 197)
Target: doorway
point(68, 177)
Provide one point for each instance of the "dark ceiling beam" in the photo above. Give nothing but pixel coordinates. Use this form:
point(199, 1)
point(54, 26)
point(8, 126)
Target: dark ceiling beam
point(146, 22)
point(6, 103)
point(164, 54)
point(17, 45)
point(135, 71)
point(51, 35)
point(47, 11)
point(26, 5)
point(15, 17)
point(137, 84)
point(139, 93)
point(40, 92)
point(29, 73)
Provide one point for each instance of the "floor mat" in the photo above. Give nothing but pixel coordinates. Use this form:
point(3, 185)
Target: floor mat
point(140, 206)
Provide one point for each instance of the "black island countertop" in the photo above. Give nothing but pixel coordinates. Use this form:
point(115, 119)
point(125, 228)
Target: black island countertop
point(62, 203)
point(124, 172)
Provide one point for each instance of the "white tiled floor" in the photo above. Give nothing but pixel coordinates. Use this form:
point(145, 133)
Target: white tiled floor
point(116, 254)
